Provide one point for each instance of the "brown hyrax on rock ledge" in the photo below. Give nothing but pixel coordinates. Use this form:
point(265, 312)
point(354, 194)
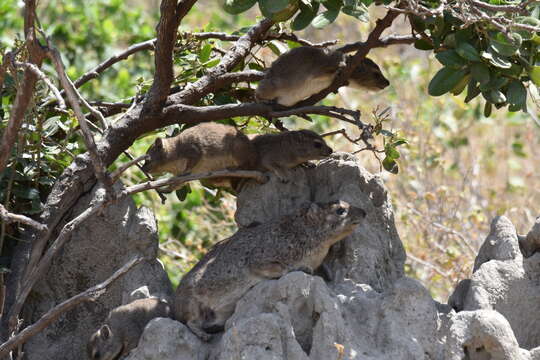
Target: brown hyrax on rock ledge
point(305, 71)
point(207, 295)
point(123, 327)
point(212, 146)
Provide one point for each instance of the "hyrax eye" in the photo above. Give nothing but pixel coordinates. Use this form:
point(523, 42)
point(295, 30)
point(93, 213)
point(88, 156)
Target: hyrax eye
point(340, 211)
point(318, 144)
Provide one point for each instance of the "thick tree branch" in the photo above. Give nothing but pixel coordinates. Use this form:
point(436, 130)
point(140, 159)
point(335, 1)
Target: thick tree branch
point(10, 217)
point(384, 42)
point(88, 295)
point(26, 91)
point(163, 58)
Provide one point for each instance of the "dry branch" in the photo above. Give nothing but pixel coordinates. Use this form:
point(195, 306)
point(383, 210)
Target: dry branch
point(10, 217)
point(33, 68)
point(88, 295)
point(272, 36)
point(74, 97)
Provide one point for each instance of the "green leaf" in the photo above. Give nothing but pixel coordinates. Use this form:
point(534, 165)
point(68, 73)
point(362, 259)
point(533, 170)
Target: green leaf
point(516, 94)
point(480, 73)
point(273, 6)
point(472, 91)
point(450, 58)
point(182, 193)
point(325, 18)
point(467, 51)
point(332, 4)
point(496, 60)
point(390, 165)
point(304, 18)
point(534, 73)
point(460, 86)
point(391, 152)
point(399, 142)
point(356, 9)
point(527, 20)
point(26, 193)
point(274, 48)
point(517, 148)
point(487, 109)
point(445, 80)
point(237, 6)
point(268, 7)
point(205, 52)
point(503, 46)
point(494, 96)
point(495, 83)
point(423, 44)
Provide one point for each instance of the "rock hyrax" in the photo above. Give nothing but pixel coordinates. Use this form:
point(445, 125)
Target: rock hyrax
point(285, 150)
point(305, 71)
point(207, 295)
point(201, 148)
point(121, 331)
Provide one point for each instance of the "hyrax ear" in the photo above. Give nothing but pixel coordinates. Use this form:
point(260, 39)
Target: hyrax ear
point(313, 211)
point(105, 332)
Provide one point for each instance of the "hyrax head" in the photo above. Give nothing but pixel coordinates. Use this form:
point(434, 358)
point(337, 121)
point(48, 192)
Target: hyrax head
point(368, 75)
point(105, 345)
point(156, 157)
point(309, 145)
point(338, 218)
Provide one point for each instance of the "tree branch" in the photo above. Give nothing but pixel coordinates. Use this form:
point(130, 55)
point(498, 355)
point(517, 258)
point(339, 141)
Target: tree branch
point(33, 68)
point(272, 36)
point(74, 97)
point(384, 42)
point(88, 295)
point(25, 93)
point(10, 217)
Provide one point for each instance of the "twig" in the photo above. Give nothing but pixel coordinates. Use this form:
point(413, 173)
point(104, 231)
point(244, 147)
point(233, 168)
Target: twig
point(384, 42)
point(10, 217)
point(505, 8)
point(33, 68)
point(74, 97)
point(116, 174)
point(428, 265)
point(50, 316)
point(272, 36)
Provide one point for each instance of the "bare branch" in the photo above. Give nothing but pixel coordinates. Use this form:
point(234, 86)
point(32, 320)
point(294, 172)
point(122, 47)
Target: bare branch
point(74, 97)
point(384, 42)
point(94, 73)
point(10, 217)
point(50, 316)
point(26, 92)
point(271, 36)
point(163, 59)
point(504, 8)
point(178, 180)
point(194, 91)
point(116, 174)
point(33, 68)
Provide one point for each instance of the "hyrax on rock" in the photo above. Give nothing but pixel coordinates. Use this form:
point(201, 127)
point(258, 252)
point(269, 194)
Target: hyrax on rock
point(123, 327)
point(305, 71)
point(207, 295)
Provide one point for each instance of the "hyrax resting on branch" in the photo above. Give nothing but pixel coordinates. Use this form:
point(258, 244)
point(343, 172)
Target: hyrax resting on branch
point(207, 295)
point(212, 146)
point(304, 71)
point(123, 327)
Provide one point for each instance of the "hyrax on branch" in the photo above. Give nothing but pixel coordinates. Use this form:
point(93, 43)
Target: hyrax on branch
point(123, 327)
point(305, 71)
point(212, 146)
point(207, 295)
point(285, 150)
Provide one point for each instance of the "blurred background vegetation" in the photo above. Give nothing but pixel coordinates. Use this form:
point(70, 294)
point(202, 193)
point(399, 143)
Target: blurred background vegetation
point(458, 171)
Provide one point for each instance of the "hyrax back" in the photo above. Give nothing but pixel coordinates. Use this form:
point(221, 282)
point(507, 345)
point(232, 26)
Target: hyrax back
point(285, 150)
point(207, 295)
point(201, 148)
point(123, 327)
point(305, 71)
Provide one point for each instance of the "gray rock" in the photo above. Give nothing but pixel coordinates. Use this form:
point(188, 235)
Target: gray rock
point(531, 243)
point(501, 243)
point(375, 255)
point(98, 247)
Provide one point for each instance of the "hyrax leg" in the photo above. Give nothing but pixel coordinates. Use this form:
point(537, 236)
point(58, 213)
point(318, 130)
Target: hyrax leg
point(278, 171)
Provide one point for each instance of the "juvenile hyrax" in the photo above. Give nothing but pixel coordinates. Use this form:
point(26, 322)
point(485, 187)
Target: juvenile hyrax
point(121, 331)
point(305, 71)
point(201, 148)
point(285, 150)
point(207, 295)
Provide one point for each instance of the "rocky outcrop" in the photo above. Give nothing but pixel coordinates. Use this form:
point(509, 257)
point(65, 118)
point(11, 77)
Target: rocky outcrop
point(98, 247)
point(364, 308)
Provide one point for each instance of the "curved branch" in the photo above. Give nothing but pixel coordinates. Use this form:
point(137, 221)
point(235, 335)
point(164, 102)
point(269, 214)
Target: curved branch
point(10, 217)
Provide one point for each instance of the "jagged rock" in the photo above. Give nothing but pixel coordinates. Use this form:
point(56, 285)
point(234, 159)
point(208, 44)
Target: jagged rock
point(167, 339)
point(482, 335)
point(506, 282)
point(531, 243)
point(98, 247)
point(373, 255)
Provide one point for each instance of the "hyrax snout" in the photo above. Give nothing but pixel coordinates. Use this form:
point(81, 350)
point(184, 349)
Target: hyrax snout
point(207, 295)
point(123, 327)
